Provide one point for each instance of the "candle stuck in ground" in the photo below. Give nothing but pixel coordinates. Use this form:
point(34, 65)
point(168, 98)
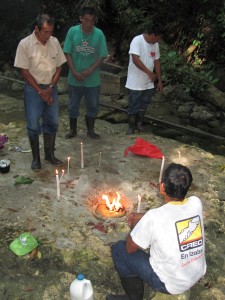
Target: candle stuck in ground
point(81, 155)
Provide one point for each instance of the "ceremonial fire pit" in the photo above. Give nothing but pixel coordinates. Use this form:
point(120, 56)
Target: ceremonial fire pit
point(112, 206)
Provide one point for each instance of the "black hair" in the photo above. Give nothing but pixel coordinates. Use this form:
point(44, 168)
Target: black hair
point(87, 10)
point(154, 30)
point(44, 18)
point(177, 180)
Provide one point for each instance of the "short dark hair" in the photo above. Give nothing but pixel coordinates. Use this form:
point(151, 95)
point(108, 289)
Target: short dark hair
point(154, 30)
point(177, 180)
point(44, 18)
point(87, 10)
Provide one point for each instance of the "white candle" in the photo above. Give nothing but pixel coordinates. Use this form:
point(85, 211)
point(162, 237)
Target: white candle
point(61, 176)
point(179, 156)
point(100, 158)
point(139, 204)
point(82, 155)
point(161, 169)
point(68, 166)
point(57, 184)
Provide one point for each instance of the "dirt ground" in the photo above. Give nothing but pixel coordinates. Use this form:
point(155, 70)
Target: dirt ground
point(73, 238)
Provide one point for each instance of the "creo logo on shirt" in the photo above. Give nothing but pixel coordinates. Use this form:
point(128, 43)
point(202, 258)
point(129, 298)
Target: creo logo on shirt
point(189, 233)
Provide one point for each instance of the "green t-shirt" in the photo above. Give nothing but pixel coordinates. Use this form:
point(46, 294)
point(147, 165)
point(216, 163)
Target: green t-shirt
point(85, 49)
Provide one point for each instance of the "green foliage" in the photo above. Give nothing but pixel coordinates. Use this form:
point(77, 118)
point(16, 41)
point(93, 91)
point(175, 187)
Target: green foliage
point(198, 42)
point(176, 72)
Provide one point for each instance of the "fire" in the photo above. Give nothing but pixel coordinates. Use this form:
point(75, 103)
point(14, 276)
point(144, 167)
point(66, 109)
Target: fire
point(115, 205)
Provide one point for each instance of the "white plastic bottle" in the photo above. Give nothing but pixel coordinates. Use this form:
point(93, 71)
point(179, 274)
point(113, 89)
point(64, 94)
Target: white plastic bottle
point(81, 289)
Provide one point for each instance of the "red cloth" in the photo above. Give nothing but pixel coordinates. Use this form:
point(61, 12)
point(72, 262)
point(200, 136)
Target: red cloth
point(144, 148)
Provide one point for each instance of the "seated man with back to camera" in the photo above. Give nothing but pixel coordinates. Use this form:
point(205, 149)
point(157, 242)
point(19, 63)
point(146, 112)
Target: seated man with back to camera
point(174, 233)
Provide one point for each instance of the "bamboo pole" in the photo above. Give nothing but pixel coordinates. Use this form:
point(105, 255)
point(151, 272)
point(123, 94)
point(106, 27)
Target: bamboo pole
point(11, 79)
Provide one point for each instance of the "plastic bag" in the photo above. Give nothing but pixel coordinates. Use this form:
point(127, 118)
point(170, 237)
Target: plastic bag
point(24, 244)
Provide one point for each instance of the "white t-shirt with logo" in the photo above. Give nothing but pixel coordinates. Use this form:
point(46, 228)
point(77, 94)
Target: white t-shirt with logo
point(137, 79)
point(175, 234)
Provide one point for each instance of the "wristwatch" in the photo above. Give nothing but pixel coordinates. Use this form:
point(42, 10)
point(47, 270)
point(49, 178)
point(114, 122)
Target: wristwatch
point(51, 86)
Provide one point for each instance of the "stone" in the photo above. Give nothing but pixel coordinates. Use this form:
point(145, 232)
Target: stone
point(65, 227)
point(201, 114)
point(16, 86)
point(184, 109)
point(161, 296)
point(62, 85)
point(113, 83)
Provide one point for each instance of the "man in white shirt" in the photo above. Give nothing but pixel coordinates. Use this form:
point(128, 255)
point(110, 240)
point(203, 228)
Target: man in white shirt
point(143, 73)
point(174, 233)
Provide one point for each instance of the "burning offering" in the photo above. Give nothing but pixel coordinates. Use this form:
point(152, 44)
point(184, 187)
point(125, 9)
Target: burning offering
point(112, 207)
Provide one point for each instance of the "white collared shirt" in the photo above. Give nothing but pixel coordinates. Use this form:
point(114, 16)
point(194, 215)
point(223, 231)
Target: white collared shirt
point(41, 60)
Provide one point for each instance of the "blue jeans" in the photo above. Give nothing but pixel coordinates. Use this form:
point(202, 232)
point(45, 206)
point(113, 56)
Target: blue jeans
point(139, 100)
point(136, 264)
point(91, 96)
point(36, 110)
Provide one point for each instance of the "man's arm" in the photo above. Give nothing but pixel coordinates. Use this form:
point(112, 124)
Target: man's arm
point(157, 67)
point(30, 80)
point(131, 247)
point(132, 220)
point(45, 94)
point(139, 64)
point(91, 69)
point(81, 76)
point(56, 76)
point(76, 75)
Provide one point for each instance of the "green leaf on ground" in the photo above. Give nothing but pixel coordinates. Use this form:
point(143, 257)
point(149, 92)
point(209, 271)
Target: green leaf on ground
point(23, 180)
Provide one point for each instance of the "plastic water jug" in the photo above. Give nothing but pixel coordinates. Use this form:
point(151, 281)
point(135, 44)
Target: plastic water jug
point(81, 289)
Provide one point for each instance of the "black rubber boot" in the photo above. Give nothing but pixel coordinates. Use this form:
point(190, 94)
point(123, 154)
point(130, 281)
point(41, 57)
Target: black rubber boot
point(34, 144)
point(73, 129)
point(49, 146)
point(139, 121)
point(90, 122)
point(133, 287)
point(131, 123)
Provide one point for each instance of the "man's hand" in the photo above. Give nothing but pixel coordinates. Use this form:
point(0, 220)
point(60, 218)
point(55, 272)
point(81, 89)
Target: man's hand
point(159, 86)
point(50, 100)
point(46, 95)
point(78, 76)
point(152, 76)
point(133, 219)
point(86, 73)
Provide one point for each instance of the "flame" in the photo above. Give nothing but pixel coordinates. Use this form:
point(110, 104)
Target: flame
point(115, 205)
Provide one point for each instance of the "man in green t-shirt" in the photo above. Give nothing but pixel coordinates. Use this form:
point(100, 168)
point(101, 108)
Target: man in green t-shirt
point(85, 49)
